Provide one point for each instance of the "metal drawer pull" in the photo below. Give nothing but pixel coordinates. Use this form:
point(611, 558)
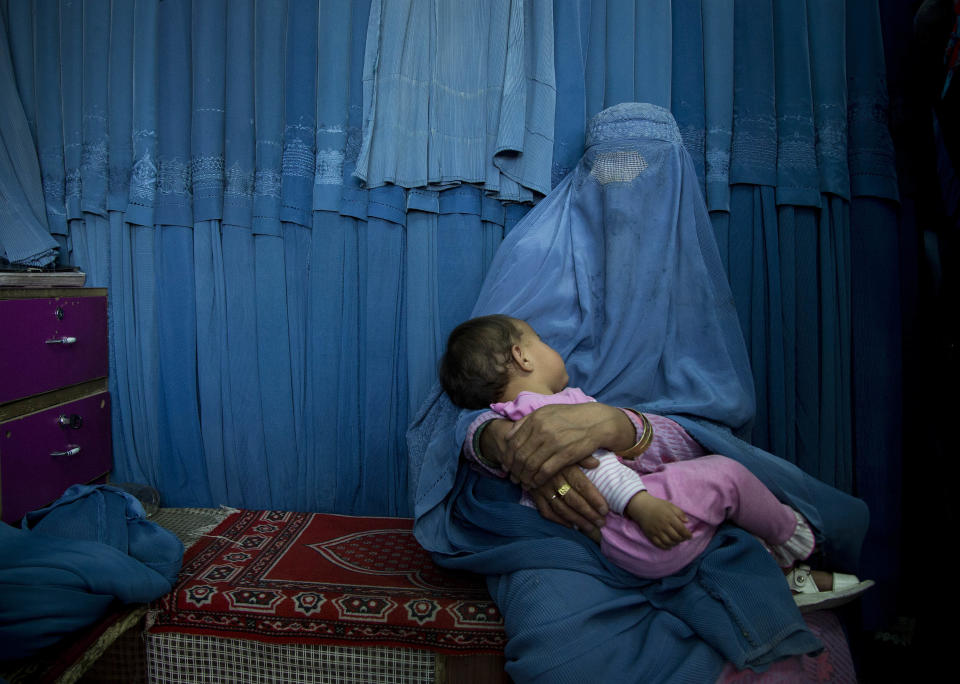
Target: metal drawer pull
point(72, 451)
point(74, 421)
point(62, 340)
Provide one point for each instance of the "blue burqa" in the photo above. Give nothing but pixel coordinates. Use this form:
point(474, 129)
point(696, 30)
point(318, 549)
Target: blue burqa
point(618, 270)
point(73, 559)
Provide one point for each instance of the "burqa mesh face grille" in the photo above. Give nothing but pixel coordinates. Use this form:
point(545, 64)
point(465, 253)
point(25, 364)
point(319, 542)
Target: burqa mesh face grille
point(618, 166)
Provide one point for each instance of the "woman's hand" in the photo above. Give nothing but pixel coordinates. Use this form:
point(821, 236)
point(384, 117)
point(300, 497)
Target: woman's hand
point(551, 438)
point(581, 506)
point(541, 451)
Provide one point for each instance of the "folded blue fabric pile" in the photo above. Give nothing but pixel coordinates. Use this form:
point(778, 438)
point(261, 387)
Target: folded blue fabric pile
point(73, 559)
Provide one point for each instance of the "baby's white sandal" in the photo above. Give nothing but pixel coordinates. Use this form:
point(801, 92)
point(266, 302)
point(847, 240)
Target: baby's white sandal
point(809, 597)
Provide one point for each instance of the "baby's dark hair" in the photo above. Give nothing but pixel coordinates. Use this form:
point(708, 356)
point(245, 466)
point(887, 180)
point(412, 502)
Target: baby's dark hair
point(476, 366)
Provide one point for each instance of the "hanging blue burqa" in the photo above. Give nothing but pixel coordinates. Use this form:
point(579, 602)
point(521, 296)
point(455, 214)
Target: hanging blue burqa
point(618, 270)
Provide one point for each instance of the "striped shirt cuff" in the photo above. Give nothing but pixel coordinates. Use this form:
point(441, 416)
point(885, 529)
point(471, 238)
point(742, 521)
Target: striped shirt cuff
point(616, 482)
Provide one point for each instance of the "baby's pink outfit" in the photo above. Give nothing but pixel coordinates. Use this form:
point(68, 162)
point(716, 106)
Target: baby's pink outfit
point(708, 488)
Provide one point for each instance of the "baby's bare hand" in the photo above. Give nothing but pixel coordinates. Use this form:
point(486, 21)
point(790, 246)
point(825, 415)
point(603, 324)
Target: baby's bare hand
point(662, 522)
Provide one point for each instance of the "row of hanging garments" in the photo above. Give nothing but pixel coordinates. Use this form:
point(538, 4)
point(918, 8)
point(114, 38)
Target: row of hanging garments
point(291, 220)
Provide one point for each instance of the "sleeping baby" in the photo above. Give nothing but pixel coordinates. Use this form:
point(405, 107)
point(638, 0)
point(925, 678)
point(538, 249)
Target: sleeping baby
point(666, 494)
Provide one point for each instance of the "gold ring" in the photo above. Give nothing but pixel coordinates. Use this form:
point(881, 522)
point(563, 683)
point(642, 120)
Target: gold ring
point(564, 488)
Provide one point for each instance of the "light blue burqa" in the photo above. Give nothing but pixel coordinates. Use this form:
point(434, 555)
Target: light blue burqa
point(436, 114)
point(618, 270)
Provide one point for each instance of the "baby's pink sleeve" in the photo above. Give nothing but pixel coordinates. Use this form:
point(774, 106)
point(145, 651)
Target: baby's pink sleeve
point(670, 442)
point(468, 444)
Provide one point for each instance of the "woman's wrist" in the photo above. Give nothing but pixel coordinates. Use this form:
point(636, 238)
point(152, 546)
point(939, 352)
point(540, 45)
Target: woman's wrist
point(621, 434)
point(472, 448)
point(644, 434)
point(478, 446)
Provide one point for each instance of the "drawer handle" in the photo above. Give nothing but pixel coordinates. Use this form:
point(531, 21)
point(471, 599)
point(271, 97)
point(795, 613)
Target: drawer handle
point(72, 451)
point(74, 421)
point(62, 340)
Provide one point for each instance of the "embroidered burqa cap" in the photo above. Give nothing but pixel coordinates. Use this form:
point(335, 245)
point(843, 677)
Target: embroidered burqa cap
point(618, 269)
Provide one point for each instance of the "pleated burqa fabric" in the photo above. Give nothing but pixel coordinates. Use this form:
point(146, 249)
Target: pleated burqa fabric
point(24, 236)
point(459, 92)
point(197, 159)
point(799, 180)
point(876, 314)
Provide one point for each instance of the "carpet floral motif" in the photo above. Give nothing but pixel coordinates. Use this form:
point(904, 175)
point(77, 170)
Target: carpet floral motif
point(307, 578)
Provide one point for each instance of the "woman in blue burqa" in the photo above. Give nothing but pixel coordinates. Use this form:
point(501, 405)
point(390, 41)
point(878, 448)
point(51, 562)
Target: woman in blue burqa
point(618, 270)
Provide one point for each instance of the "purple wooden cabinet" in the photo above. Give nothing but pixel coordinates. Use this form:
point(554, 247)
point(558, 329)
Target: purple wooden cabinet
point(43, 453)
point(50, 343)
point(54, 404)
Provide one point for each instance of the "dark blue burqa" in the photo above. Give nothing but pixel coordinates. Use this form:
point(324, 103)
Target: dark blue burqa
point(73, 559)
point(618, 270)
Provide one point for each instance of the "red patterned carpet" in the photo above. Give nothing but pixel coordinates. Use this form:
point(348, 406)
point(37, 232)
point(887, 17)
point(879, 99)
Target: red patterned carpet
point(310, 578)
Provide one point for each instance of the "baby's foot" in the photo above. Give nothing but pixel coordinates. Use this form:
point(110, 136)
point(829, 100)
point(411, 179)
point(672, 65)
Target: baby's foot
point(823, 580)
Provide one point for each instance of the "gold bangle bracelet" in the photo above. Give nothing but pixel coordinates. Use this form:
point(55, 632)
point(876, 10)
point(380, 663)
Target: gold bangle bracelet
point(645, 438)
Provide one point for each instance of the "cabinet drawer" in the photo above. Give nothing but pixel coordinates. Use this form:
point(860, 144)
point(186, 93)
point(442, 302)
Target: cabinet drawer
point(40, 458)
point(50, 343)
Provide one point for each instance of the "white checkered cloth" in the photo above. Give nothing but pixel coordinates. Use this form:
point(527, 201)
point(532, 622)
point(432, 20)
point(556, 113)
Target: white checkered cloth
point(174, 658)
